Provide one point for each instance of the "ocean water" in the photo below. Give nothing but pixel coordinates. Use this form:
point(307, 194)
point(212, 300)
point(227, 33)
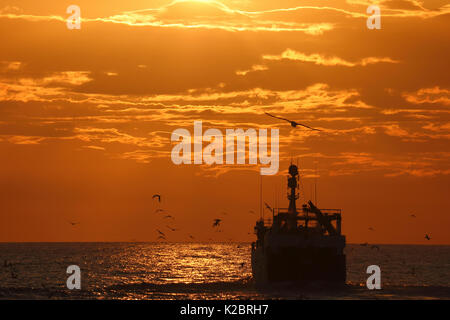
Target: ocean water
point(206, 271)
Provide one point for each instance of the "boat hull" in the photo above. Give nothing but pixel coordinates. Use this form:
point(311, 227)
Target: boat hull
point(298, 265)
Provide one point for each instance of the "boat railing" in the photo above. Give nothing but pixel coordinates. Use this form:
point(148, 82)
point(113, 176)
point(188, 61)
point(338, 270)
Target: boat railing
point(326, 212)
point(331, 211)
point(333, 214)
point(267, 222)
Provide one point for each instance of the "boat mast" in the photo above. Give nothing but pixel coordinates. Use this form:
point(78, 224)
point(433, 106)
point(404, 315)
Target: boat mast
point(292, 184)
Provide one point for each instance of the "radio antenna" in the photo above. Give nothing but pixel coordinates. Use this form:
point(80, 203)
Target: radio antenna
point(260, 198)
point(315, 182)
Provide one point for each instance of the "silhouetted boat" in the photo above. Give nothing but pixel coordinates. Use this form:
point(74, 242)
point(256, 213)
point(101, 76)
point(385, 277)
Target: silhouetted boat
point(299, 246)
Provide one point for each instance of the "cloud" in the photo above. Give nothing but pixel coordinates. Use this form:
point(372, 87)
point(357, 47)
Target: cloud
point(110, 135)
point(74, 78)
point(142, 156)
point(403, 4)
point(25, 140)
point(438, 127)
point(32, 18)
point(256, 67)
point(429, 95)
point(197, 14)
point(419, 165)
point(94, 148)
point(405, 8)
point(395, 131)
point(320, 59)
point(10, 9)
point(114, 105)
point(194, 14)
point(43, 88)
point(10, 65)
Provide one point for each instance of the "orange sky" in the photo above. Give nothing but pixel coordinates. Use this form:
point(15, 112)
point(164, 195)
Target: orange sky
point(86, 115)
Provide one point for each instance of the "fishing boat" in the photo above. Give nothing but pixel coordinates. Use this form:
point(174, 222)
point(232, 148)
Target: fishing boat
point(299, 246)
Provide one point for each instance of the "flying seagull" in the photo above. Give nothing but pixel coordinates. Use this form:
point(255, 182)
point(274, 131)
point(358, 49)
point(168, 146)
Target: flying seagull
point(190, 236)
point(427, 237)
point(371, 229)
point(73, 223)
point(168, 217)
point(159, 210)
point(216, 222)
point(293, 123)
point(412, 215)
point(157, 196)
point(252, 212)
point(267, 206)
point(172, 229)
point(161, 233)
point(162, 237)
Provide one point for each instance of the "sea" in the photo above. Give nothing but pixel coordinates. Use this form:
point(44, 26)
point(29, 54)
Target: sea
point(206, 271)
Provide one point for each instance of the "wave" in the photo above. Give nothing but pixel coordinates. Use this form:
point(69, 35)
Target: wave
point(247, 285)
point(242, 289)
point(184, 287)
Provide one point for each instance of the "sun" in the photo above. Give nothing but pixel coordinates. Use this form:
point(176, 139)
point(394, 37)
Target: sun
point(213, 2)
point(201, 1)
point(203, 7)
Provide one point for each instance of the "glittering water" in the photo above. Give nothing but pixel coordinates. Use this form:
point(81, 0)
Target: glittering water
point(205, 271)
